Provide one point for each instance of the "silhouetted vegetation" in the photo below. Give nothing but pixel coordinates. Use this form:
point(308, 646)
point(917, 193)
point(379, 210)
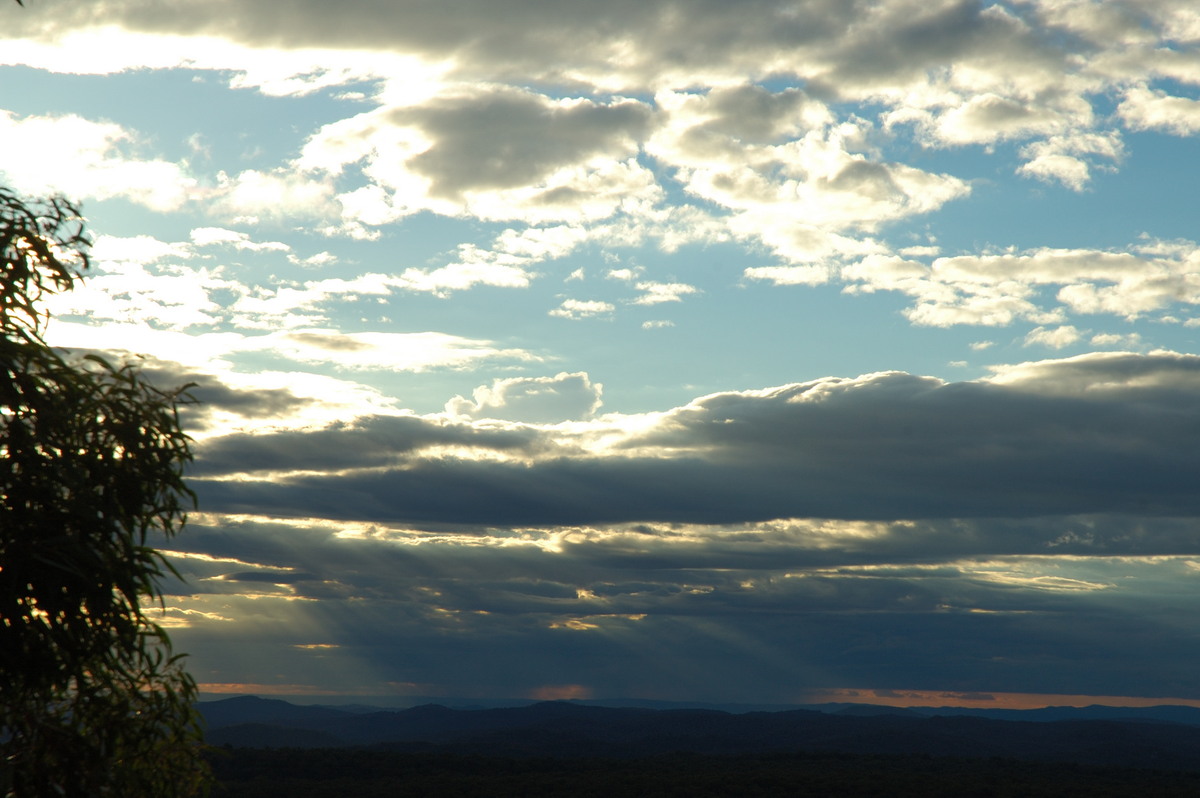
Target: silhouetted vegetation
point(570, 730)
point(92, 700)
point(567, 749)
point(333, 773)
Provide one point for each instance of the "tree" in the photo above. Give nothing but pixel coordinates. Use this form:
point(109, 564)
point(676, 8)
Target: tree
point(92, 699)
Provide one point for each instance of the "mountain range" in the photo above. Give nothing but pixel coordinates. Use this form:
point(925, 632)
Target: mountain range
point(1166, 737)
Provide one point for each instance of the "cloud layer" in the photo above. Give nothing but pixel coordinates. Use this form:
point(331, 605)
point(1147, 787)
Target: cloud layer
point(1096, 434)
point(482, 308)
point(1046, 518)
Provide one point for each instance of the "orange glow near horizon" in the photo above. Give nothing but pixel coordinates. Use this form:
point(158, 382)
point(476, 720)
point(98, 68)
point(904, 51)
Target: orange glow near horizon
point(561, 692)
point(980, 700)
point(238, 688)
point(832, 695)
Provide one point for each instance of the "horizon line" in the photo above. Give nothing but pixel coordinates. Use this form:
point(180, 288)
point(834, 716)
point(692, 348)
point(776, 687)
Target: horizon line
point(834, 695)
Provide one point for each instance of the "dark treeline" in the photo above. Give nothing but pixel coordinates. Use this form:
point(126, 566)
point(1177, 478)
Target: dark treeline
point(570, 731)
point(365, 773)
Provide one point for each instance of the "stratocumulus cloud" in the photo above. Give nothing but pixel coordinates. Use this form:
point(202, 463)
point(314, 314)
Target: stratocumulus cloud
point(668, 349)
point(880, 446)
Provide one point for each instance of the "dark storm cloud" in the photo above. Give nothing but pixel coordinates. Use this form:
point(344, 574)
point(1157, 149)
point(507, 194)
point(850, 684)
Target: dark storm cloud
point(882, 446)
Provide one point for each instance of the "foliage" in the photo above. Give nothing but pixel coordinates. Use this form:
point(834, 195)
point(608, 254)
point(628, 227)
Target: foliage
point(332, 773)
point(92, 699)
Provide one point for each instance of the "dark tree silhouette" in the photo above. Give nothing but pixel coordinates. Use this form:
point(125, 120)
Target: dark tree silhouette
point(92, 699)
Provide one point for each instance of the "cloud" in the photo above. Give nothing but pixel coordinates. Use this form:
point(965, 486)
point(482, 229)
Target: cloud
point(622, 46)
point(789, 275)
point(141, 249)
point(365, 443)
point(576, 309)
point(417, 351)
point(218, 236)
point(1057, 338)
point(296, 304)
point(775, 158)
point(283, 194)
point(1064, 158)
point(625, 274)
point(677, 571)
point(773, 600)
point(227, 401)
point(1043, 507)
point(988, 117)
point(506, 139)
point(593, 152)
point(176, 286)
point(1029, 442)
point(1017, 531)
point(626, 41)
point(85, 159)
point(964, 72)
point(1146, 109)
point(546, 400)
point(173, 286)
point(657, 293)
point(1000, 288)
point(474, 266)
point(1112, 374)
point(142, 280)
point(509, 262)
point(456, 139)
point(1126, 341)
point(496, 152)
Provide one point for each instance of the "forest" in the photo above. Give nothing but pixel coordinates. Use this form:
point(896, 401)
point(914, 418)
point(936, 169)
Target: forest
point(368, 773)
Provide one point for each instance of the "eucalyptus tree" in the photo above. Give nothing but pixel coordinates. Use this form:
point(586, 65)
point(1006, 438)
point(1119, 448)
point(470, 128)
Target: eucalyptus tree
point(93, 701)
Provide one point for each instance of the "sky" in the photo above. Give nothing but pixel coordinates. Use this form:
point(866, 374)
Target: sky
point(673, 349)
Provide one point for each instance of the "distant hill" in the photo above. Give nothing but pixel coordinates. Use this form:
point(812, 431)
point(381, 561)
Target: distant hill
point(1167, 738)
point(252, 709)
point(1167, 714)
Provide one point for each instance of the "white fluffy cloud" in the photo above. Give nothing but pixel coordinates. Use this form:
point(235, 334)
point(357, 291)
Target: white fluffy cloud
point(421, 351)
point(284, 194)
point(495, 152)
point(582, 309)
point(142, 280)
point(86, 159)
point(1146, 109)
point(998, 289)
point(1066, 158)
point(788, 169)
point(657, 293)
point(775, 158)
point(563, 397)
point(219, 236)
point(790, 275)
point(1057, 338)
